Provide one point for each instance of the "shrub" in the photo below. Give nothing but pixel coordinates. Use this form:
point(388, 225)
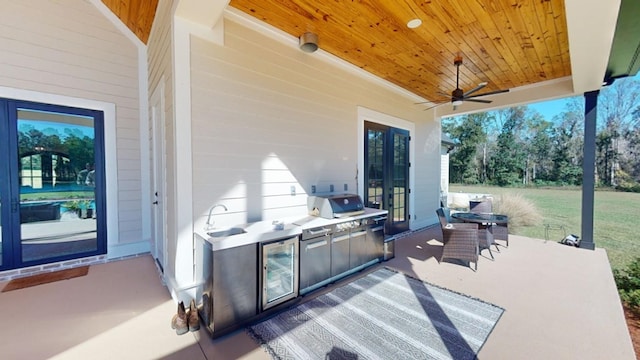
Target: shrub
point(544, 183)
point(521, 211)
point(72, 206)
point(626, 182)
point(628, 282)
point(629, 187)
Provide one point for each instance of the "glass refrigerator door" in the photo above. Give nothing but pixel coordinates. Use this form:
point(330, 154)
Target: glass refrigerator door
point(280, 272)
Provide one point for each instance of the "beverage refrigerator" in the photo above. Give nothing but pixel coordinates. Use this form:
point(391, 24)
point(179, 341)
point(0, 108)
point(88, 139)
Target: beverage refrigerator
point(279, 264)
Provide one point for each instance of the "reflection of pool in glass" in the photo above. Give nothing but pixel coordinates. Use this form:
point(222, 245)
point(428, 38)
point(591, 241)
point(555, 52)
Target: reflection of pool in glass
point(37, 211)
point(83, 209)
point(57, 228)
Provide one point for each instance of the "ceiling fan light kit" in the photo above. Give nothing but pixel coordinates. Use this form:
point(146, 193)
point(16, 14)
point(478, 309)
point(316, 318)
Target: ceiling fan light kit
point(458, 96)
point(308, 42)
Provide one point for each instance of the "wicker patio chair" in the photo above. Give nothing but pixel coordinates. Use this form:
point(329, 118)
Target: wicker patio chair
point(481, 206)
point(460, 240)
point(485, 206)
point(501, 232)
point(449, 218)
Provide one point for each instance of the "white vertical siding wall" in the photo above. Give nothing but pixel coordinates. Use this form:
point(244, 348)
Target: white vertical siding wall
point(68, 48)
point(267, 117)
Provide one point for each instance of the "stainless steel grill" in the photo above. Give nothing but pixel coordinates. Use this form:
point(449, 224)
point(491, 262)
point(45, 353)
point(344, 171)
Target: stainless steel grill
point(335, 206)
point(333, 250)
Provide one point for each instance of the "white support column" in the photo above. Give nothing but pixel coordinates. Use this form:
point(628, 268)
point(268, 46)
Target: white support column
point(202, 18)
point(183, 171)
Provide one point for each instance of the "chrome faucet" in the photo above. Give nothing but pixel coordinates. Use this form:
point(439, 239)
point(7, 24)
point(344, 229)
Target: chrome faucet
point(210, 221)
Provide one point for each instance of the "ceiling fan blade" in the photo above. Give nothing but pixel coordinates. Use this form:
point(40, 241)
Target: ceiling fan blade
point(488, 93)
point(439, 93)
point(435, 105)
point(479, 101)
point(480, 86)
point(431, 107)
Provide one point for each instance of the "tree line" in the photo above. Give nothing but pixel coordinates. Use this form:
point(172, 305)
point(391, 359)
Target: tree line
point(75, 148)
point(518, 147)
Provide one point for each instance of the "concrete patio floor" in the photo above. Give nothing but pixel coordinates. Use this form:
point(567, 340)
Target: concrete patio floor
point(560, 303)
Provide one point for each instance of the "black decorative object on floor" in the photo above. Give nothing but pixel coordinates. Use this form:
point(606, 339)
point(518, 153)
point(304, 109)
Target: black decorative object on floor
point(383, 315)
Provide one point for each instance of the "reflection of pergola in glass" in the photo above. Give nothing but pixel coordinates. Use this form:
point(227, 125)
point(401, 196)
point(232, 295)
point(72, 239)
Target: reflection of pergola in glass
point(43, 168)
point(52, 148)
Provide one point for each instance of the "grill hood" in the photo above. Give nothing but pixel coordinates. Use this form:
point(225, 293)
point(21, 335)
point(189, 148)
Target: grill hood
point(335, 206)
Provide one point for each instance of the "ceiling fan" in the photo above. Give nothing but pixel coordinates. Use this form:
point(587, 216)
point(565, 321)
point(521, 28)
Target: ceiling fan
point(458, 95)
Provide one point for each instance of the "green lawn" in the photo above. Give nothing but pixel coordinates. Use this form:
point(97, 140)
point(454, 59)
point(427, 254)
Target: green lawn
point(57, 195)
point(615, 216)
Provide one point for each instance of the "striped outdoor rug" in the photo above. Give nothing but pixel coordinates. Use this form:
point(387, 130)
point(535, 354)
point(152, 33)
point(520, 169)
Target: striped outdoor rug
point(384, 315)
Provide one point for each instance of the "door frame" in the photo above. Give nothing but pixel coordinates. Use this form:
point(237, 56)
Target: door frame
point(11, 192)
point(158, 172)
point(6, 235)
point(366, 114)
point(110, 149)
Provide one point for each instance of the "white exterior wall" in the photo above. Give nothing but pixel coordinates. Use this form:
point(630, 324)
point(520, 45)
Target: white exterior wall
point(267, 117)
point(263, 118)
point(70, 53)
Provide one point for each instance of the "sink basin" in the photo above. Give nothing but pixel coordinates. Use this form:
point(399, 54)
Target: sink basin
point(226, 232)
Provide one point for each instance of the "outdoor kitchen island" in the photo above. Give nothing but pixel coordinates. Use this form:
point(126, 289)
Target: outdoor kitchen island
point(264, 267)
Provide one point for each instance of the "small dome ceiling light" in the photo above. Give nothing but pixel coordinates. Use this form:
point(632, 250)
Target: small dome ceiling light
point(414, 23)
point(309, 42)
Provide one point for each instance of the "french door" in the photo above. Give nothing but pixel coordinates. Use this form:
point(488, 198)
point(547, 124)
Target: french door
point(52, 203)
point(387, 173)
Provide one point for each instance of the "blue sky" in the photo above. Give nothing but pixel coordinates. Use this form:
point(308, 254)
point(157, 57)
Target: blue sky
point(550, 108)
point(54, 128)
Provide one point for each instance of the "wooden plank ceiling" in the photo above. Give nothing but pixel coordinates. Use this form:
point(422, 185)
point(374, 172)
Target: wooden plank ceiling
point(137, 15)
point(507, 43)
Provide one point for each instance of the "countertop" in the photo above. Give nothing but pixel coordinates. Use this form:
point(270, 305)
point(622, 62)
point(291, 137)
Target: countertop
point(264, 231)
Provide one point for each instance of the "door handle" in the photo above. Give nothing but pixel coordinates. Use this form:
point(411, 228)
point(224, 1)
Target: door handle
point(316, 245)
point(155, 202)
point(318, 231)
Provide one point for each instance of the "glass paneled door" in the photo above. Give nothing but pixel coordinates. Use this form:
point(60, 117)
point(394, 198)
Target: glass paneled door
point(279, 271)
point(387, 173)
point(52, 183)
